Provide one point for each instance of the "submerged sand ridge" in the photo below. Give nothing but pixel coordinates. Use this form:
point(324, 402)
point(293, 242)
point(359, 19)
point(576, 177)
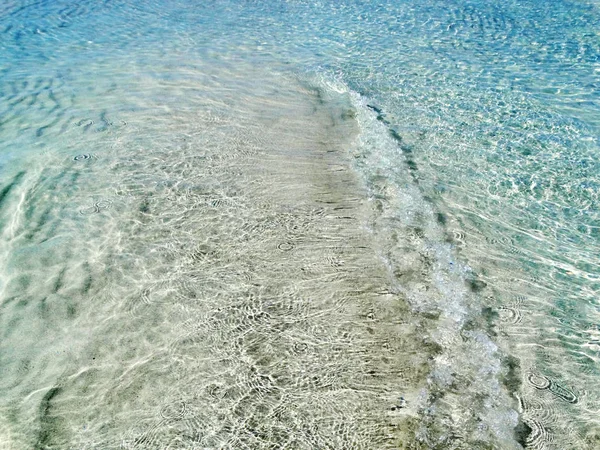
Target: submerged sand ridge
point(205, 277)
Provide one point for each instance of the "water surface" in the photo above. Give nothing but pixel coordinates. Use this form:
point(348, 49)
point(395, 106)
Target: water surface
point(299, 224)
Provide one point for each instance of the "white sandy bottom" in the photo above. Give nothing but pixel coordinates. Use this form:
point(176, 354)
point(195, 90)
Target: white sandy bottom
point(196, 271)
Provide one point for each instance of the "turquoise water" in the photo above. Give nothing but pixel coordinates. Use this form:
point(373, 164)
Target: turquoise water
point(243, 224)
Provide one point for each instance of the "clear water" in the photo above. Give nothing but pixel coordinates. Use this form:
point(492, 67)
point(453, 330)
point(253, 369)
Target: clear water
point(244, 224)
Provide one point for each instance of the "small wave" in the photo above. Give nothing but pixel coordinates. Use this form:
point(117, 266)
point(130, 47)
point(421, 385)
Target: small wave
point(469, 363)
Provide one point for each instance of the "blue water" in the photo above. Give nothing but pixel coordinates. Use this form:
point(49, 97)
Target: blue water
point(471, 132)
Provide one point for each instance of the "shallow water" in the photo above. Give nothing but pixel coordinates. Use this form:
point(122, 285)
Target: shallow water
point(299, 225)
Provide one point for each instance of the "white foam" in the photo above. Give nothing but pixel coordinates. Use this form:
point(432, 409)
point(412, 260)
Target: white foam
point(468, 368)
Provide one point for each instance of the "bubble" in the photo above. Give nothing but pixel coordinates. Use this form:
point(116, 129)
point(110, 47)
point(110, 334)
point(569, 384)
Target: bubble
point(96, 207)
point(500, 239)
point(538, 381)
point(89, 210)
point(173, 411)
point(103, 204)
point(300, 347)
point(285, 246)
point(510, 315)
point(563, 393)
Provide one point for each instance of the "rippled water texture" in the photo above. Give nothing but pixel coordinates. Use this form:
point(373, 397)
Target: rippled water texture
point(191, 268)
point(299, 224)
